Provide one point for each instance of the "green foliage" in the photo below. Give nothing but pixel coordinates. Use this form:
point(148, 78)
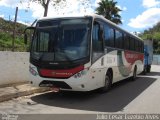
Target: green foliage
point(154, 34)
point(8, 26)
point(6, 42)
point(6, 36)
point(109, 10)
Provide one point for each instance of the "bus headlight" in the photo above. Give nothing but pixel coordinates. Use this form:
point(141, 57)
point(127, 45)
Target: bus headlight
point(81, 73)
point(32, 71)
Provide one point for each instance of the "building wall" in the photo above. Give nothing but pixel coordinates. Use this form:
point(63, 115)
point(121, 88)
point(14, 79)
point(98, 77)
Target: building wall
point(14, 67)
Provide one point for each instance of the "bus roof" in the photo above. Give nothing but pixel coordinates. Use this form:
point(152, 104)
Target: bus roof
point(94, 16)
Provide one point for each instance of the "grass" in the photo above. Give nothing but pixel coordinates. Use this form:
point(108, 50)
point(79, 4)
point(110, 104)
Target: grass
point(6, 42)
point(6, 36)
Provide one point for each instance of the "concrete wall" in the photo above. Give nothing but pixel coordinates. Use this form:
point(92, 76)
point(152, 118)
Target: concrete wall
point(14, 67)
point(156, 60)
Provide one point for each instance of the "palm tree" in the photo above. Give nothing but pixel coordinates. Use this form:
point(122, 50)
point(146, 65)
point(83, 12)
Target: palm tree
point(109, 10)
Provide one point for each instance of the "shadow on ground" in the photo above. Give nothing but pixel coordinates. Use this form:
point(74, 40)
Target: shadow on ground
point(121, 94)
point(153, 74)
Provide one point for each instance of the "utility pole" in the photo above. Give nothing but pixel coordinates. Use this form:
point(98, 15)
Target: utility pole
point(14, 29)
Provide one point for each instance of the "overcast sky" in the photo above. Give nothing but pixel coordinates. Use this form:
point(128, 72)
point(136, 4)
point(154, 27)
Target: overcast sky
point(137, 15)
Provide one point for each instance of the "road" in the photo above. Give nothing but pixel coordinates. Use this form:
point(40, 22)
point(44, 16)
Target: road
point(140, 96)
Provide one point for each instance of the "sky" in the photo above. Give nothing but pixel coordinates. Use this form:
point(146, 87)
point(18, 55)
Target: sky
point(137, 15)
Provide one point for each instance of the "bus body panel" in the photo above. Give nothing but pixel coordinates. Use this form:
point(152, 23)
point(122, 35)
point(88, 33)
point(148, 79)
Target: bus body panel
point(121, 62)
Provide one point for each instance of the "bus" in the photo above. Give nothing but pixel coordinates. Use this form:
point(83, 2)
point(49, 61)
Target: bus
point(83, 53)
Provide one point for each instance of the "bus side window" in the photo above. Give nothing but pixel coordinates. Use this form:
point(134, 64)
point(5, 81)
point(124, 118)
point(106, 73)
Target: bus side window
point(108, 36)
point(136, 46)
point(142, 47)
point(132, 43)
point(126, 42)
point(97, 38)
point(118, 39)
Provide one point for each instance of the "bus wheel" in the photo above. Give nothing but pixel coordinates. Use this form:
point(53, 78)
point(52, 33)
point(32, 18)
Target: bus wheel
point(134, 74)
point(107, 84)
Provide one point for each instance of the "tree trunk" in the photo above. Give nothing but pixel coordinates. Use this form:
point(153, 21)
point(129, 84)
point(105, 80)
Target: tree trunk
point(45, 11)
point(46, 5)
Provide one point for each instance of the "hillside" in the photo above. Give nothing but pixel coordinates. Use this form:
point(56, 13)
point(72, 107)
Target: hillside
point(153, 33)
point(8, 25)
point(6, 35)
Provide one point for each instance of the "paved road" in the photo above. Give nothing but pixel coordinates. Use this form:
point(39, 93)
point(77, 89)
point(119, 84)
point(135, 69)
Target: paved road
point(140, 96)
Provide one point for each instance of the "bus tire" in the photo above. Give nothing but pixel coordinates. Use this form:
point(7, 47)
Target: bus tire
point(133, 78)
point(108, 83)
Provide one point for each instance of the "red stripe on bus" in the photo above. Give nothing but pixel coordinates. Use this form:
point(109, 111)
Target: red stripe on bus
point(131, 57)
point(60, 73)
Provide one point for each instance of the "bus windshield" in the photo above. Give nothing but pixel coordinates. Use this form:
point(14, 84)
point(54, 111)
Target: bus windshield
point(61, 40)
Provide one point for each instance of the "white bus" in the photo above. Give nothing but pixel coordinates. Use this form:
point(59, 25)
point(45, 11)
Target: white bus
point(83, 53)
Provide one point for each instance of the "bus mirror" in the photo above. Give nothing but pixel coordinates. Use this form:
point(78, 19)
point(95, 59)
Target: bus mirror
point(25, 39)
point(25, 33)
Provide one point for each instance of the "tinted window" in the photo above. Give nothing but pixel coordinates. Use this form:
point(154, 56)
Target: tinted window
point(126, 42)
point(137, 45)
point(132, 44)
point(109, 36)
point(142, 47)
point(118, 39)
point(97, 42)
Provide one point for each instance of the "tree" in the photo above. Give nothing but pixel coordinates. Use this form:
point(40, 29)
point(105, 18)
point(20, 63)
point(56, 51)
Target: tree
point(109, 10)
point(45, 4)
point(59, 4)
point(153, 34)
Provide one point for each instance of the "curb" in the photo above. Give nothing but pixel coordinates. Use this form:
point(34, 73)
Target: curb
point(13, 84)
point(22, 93)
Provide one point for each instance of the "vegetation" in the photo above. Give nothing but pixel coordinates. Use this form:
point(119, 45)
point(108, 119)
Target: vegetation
point(6, 36)
point(153, 34)
point(109, 10)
